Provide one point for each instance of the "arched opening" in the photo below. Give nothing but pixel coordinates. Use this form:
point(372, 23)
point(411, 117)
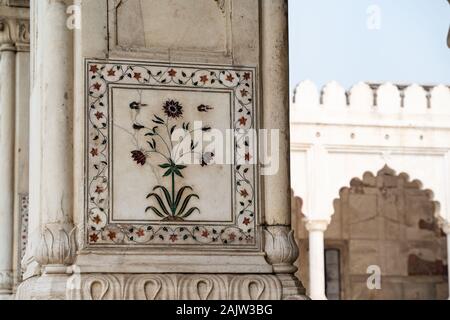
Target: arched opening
point(382, 223)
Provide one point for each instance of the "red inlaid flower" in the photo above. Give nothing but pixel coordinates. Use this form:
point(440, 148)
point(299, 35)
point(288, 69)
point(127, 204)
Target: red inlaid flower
point(111, 73)
point(93, 237)
point(97, 86)
point(243, 121)
point(232, 236)
point(112, 235)
point(230, 78)
point(246, 221)
point(97, 219)
point(172, 73)
point(244, 93)
point(137, 76)
point(244, 193)
point(140, 233)
point(247, 76)
point(247, 156)
point(204, 79)
point(93, 69)
point(99, 115)
point(173, 238)
point(99, 190)
point(94, 152)
point(139, 157)
point(205, 234)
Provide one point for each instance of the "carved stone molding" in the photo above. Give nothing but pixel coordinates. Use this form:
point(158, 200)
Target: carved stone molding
point(174, 287)
point(58, 245)
point(14, 34)
point(317, 225)
point(281, 248)
point(16, 3)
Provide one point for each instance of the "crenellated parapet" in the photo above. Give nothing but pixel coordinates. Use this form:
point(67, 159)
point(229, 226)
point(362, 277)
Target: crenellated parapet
point(396, 101)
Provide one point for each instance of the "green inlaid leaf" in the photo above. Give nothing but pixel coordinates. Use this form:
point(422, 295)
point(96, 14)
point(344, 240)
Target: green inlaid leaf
point(186, 202)
point(180, 194)
point(160, 202)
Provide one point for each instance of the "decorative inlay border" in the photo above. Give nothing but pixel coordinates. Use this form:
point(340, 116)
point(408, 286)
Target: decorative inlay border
point(100, 76)
point(24, 208)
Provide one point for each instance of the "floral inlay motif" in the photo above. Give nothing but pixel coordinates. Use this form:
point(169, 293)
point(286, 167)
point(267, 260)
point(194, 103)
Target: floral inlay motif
point(174, 199)
point(173, 205)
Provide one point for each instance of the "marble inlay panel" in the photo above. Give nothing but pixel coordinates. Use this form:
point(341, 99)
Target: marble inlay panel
point(150, 181)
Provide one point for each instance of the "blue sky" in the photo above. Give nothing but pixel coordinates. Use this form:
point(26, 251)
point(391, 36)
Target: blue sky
point(330, 40)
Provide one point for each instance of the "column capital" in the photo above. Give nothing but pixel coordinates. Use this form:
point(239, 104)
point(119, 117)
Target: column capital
point(316, 225)
point(14, 34)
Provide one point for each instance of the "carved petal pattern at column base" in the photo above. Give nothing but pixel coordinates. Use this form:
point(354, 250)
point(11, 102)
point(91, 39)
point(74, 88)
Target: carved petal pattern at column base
point(58, 245)
point(281, 248)
point(152, 287)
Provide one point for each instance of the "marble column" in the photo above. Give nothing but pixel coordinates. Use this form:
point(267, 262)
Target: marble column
point(7, 118)
point(280, 246)
point(51, 152)
point(316, 229)
point(56, 155)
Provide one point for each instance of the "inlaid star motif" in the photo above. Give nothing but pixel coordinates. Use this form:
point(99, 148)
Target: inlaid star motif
point(140, 233)
point(247, 76)
point(99, 115)
point(244, 93)
point(112, 235)
point(94, 152)
point(243, 121)
point(204, 79)
point(137, 76)
point(93, 69)
point(205, 234)
point(97, 219)
point(93, 237)
point(230, 78)
point(172, 73)
point(246, 221)
point(111, 73)
point(97, 86)
point(247, 156)
point(99, 190)
point(173, 238)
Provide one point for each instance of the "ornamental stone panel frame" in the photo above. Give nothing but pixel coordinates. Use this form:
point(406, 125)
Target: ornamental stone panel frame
point(338, 135)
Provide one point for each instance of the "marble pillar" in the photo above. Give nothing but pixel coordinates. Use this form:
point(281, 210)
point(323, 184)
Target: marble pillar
point(7, 110)
point(51, 154)
point(316, 229)
point(280, 247)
